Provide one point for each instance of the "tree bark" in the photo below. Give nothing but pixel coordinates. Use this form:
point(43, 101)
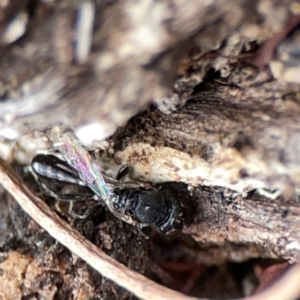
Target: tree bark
point(200, 92)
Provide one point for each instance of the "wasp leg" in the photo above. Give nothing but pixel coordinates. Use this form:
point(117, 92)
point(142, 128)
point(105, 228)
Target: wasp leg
point(75, 198)
point(140, 228)
point(123, 171)
point(75, 215)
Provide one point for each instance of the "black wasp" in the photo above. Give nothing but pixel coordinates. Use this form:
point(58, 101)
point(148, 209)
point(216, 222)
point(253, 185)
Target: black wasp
point(136, 204)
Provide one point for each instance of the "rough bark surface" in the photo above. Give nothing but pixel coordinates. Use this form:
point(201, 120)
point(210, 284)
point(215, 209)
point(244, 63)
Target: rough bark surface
point(202, 92)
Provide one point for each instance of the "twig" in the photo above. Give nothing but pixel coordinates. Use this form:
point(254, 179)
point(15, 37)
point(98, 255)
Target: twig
point(70, 238)
point(266, 52)
point(286, 288)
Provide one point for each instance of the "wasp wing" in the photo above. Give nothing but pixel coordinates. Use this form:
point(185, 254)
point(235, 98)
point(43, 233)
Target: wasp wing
point(80, 160)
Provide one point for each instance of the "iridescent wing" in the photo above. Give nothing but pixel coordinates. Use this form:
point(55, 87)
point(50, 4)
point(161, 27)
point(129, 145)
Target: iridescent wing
point(80, 160)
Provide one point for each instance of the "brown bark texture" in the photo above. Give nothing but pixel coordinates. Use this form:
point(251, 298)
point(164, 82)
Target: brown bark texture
point(204, 92)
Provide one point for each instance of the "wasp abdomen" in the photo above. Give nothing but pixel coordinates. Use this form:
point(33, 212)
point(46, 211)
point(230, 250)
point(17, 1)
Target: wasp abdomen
point(51, 167)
